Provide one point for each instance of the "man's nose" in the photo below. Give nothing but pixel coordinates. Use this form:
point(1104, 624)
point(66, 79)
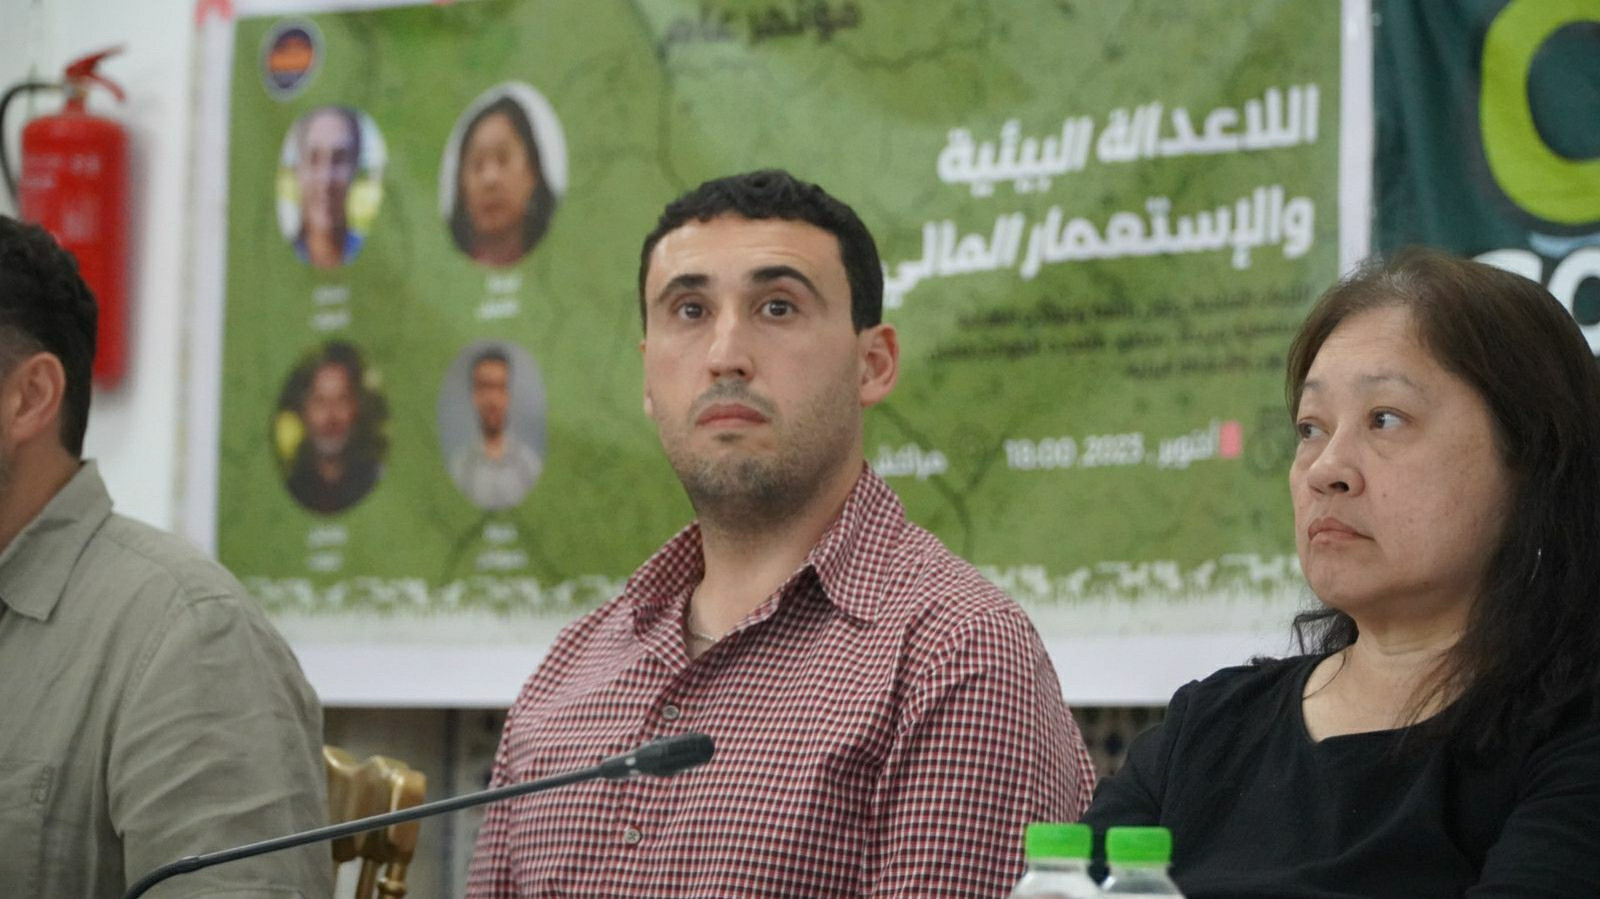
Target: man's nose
point(321, 168)
point(729, 355)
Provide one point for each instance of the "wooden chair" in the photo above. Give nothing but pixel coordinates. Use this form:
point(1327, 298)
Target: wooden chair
point(360, 789)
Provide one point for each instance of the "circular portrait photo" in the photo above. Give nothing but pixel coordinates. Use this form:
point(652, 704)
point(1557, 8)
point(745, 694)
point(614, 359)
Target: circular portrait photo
point(330, 183)
point(492, 423)
point(504, 171)
point(329, 432)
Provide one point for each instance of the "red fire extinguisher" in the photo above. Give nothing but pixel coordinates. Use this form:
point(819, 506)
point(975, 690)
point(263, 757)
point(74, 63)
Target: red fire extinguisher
point(75, 184)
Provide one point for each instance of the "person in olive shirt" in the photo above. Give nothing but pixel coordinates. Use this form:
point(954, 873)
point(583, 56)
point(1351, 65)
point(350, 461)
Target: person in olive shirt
point(148, 710)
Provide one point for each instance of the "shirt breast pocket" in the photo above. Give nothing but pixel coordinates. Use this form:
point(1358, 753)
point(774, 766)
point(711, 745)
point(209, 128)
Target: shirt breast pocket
point(836, 759)
point(26, 787)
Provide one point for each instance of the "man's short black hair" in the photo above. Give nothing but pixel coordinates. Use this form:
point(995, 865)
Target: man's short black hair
point(46, 307)
point(776, 194)
point(490, 353)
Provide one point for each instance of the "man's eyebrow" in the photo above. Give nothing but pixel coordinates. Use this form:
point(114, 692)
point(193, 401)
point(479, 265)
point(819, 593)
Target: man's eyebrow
point(690, 281)
point(769, 273)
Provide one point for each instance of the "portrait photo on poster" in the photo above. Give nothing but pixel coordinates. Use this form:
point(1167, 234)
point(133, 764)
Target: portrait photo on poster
point(330, 184)
point(329, 431)
point(492, 423)
point(503, 173)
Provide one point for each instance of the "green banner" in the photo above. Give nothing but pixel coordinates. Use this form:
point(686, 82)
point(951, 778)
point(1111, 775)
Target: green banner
point(1100, 224)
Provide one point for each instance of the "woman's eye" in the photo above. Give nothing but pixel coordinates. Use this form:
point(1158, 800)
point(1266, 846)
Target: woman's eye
point(1306, 430)
point(1385, 419)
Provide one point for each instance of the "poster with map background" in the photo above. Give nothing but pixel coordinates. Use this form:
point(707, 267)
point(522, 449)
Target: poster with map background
point(1100, 223)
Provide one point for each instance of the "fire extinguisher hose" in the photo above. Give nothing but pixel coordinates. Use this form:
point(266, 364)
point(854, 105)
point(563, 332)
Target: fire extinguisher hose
point(5, 157)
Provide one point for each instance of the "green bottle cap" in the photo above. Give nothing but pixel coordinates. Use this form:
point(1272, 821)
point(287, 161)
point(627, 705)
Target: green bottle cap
point(1139, 845)
point(1042, 841)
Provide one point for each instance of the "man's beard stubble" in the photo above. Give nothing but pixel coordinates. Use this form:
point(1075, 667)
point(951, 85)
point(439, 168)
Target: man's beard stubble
point(751, 491)
point(491, 430)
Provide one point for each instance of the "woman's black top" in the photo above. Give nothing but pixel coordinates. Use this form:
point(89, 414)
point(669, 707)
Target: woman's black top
point(1259, 809)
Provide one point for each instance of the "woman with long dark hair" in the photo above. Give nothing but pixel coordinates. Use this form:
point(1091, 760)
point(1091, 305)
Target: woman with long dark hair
point(335, 429)
point(503, 201)
point(1441, 735)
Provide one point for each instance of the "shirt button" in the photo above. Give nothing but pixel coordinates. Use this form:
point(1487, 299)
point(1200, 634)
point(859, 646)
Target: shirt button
point(670, 712)
point(632, 836)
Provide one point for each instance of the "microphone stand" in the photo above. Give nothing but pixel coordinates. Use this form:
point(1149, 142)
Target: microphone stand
point(662, 758)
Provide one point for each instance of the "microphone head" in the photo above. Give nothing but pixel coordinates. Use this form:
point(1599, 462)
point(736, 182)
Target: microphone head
point(661, 758)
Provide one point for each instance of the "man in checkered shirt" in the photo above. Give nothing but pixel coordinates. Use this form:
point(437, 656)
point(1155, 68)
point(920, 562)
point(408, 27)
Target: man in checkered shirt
point(886, 720)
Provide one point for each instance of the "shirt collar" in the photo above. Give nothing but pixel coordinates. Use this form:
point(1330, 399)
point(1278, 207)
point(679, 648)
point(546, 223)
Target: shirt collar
point(851, 559)
point(666, 576)
point(34, 569)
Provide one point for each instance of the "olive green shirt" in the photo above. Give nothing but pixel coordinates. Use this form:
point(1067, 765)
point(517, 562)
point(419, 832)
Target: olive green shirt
point(148, 711)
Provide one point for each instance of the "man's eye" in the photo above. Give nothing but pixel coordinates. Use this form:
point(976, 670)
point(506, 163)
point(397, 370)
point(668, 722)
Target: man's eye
point(690, 310)
point(778, 308)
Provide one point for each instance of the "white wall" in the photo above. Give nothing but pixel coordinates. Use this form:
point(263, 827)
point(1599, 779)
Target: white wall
point(134, 429)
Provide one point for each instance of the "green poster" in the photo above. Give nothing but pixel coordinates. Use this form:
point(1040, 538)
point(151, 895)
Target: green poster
point(1100, 223)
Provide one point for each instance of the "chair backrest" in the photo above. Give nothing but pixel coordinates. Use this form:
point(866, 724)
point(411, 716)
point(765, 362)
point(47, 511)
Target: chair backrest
point(372, 787)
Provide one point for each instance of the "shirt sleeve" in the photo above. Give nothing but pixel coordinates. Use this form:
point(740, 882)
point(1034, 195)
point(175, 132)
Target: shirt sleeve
point(1550, 845)
point(489, 875)
point(1133, 796)
point(985, 745)
point(219, 744)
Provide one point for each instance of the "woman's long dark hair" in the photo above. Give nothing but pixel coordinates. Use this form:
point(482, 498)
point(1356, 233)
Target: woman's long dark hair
point(369, 442)
point(1529, 650)
point(541, 205)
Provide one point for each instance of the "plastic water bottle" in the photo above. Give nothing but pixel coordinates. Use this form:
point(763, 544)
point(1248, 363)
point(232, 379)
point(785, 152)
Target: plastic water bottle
point(1139, 857)
point(1058, 863)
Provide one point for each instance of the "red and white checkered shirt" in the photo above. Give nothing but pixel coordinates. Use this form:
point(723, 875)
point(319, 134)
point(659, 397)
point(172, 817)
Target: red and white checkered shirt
point(885, 724)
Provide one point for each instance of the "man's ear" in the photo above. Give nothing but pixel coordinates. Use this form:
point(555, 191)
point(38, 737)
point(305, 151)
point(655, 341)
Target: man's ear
point(30, 398)
point(649, 406)
point(880, 362)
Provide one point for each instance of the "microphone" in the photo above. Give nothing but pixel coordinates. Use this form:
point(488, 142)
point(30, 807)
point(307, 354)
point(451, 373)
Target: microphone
point(658, 758)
